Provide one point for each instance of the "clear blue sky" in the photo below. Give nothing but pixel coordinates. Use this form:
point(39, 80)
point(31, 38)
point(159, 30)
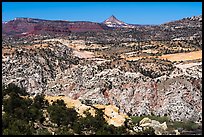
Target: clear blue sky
point(129, 12)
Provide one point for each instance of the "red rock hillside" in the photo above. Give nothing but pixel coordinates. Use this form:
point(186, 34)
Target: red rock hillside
point(25, 26)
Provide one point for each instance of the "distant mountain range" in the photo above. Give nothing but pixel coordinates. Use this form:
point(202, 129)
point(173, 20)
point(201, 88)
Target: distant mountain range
point(29, 26)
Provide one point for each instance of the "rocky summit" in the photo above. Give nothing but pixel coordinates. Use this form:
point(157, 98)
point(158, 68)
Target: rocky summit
point(112, 21)
point(145, 70)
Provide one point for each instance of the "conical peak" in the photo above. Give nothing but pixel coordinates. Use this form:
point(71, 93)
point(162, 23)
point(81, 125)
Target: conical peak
point(112, 18)
point(112, 21)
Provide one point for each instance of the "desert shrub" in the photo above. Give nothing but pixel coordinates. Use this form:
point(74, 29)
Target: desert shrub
point(90, 123)
point(161, 119)
point(148, 131)
point(110, 130)
point(97, 125)
point(13, 88)
point(34, 114)
point(63, 131)
point(60, 114)
point(18, 127)
point(20, 112)
point(42, 131)
point(186, 125)
point(40, 102)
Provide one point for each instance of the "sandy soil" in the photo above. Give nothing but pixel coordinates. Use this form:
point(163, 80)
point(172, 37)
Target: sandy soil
point(134, 58)
point(75, 44)
point(183, 56)
point(83, 54)
point(176, 57)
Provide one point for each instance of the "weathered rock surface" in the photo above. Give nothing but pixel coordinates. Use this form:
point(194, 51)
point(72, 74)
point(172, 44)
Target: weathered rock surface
point(146, 123)
point(111, 113)
point(55, 71)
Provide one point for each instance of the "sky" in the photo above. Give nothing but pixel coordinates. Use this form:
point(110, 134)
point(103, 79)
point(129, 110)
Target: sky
point(129, 12)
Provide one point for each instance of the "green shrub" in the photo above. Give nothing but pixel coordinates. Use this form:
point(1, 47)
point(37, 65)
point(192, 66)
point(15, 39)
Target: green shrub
point(63, 131)
point(60, 114)
point(136, 119)
point(149, 131)
point(161, 119)
point(40, 102)
point(18, 127)
point(12, 88)
point(43, 131)
point(187, 125)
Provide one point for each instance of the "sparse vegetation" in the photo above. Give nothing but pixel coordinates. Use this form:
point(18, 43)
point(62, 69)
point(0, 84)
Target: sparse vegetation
point(22, 114)
point(161, 119)
point(141, 70)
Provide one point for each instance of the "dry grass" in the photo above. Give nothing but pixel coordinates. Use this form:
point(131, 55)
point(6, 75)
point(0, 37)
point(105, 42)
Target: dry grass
point(83, 54)
point(174, 57)
point(183, 56)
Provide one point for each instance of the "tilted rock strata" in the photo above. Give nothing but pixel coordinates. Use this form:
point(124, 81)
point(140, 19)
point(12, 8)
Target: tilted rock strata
point(55, 71)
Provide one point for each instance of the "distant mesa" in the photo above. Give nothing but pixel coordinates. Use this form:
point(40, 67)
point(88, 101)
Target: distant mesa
point(27, 26)
point(30, 26)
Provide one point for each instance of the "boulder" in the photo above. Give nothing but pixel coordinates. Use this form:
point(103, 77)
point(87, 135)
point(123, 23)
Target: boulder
point(159, 128)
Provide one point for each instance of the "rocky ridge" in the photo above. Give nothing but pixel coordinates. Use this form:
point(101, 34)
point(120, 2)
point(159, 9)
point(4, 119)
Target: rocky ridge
point(55, 71)
point(185, 29)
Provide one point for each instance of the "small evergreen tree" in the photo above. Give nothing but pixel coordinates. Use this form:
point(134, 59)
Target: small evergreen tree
point(60, 114)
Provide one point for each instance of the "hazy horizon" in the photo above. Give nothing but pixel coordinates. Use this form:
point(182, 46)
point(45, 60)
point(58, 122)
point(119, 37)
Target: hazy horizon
point(144, 13)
